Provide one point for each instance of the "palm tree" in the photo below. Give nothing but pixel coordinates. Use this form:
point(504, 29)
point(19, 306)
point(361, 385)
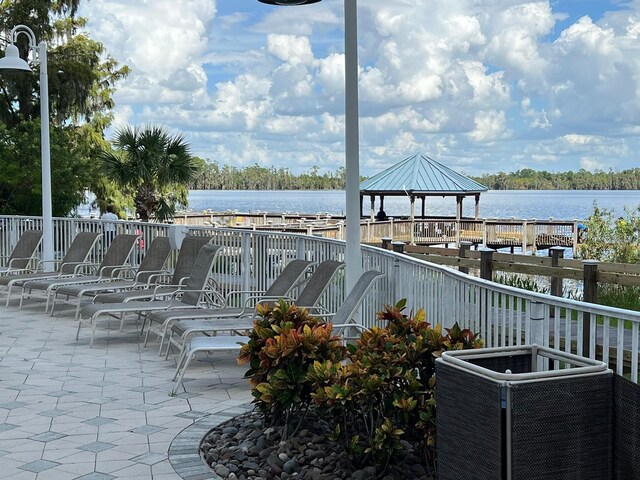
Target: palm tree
point(154, 166)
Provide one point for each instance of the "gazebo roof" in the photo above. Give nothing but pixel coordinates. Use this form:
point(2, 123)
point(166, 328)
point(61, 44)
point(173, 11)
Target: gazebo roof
point(420, 175)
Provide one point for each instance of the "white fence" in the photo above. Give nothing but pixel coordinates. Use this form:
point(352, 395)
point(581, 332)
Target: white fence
point(502, 315)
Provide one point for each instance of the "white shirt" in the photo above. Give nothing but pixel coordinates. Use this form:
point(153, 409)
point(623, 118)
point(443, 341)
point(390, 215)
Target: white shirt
point(108, 226)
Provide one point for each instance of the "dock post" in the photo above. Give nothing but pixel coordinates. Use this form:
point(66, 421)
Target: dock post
point(486, 263)
point(398, 247)
point(386, 243)
point(556, 253)
point(463, 253)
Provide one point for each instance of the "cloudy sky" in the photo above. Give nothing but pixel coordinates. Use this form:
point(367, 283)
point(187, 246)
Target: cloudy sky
point(479, 85)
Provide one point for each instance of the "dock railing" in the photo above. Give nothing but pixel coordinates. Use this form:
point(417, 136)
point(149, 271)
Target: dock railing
point(503, 315)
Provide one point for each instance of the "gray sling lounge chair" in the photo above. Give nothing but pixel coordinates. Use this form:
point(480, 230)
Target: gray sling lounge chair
point(128, 278)
point(290, 276)
point(342, 318)
point(189, 250)
point(78, 252)
point(115, 257)
point(309, 297)
point(23, 253)
point(189, 294)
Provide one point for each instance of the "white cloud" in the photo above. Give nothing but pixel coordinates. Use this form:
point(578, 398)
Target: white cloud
point(470, 83)
point(489, 126)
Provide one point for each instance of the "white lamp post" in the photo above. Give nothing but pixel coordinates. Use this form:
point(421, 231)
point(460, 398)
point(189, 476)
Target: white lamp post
point(13, 62)
point(353, 255)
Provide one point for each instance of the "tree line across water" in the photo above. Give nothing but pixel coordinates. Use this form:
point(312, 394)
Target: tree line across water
point(213, 176)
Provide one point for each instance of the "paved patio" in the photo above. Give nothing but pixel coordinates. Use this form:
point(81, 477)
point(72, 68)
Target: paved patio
point(68, 411)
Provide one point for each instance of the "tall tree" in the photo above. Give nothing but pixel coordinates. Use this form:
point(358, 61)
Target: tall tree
point(82, 78)
point(153, 164)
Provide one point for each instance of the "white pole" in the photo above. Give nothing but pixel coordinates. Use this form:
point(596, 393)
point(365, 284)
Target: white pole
point(47, 216)
point(353, 254)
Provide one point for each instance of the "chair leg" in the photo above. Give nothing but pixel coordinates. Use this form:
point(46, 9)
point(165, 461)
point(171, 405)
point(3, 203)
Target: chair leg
point(8, 294)
point(188, 359)
point(22, 297)
point(78, 330)
point(181, 359)
point(94, 324)
point(78, 307)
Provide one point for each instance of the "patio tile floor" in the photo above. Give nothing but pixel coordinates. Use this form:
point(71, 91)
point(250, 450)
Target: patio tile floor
point(68, 411)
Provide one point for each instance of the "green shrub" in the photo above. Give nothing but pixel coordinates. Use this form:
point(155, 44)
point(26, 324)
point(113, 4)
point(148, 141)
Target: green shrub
point(283, 345)
point(383, 396)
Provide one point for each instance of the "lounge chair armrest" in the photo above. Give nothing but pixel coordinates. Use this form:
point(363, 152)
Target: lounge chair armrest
point(152, 274)
point(120, 272)
point(203, 292)
point(233, 293)
point(156, 278)
point(86, 266)
point(10, 265)
point(103, 270)
point(156, 294)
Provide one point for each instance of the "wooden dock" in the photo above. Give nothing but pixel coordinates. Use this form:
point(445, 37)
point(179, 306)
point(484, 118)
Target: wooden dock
point(525, 235)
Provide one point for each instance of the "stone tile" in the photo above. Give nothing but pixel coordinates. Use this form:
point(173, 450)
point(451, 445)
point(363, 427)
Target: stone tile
point(6, 426)
point(38, 466)
point(149, 458)
point(12, 405)
point(53, 413)
point(96, 447)
point(147, 429)
point(98, 421)
point(96, 476)
point(47, 436)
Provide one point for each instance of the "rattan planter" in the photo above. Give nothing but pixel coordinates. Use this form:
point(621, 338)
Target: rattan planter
point(549, 417)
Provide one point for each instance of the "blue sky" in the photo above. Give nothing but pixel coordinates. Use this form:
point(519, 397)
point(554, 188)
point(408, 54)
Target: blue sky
point(479, 85)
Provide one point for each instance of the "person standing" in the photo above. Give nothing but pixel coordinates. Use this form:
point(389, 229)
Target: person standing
point(109, 228)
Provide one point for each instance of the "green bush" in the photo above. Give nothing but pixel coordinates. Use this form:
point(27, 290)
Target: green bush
point(383, 397)
point(610, 239)
point(283, 345)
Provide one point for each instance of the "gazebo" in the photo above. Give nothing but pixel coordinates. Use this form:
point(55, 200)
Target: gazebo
point(419, 176)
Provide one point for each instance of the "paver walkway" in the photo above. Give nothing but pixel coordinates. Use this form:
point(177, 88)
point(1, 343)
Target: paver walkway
point(68, 411)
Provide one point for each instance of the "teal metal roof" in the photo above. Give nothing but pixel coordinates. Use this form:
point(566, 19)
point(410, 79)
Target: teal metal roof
point(419, 174)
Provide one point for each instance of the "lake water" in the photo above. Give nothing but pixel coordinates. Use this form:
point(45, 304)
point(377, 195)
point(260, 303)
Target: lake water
point(520, 204)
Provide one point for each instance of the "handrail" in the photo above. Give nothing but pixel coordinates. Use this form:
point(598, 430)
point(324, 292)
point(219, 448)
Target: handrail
point(501, 314)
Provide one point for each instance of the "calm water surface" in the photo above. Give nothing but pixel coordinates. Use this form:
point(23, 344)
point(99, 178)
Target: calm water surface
point(521, 204)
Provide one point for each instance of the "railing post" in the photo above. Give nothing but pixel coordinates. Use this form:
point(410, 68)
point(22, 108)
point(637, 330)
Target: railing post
point(391, 227)
point(524, 237)
point(556, 253)
point(536, 334)
point(386, 243)
point(463, 252)
point(458, 223)
point(395, 285)
point(368, 235)
point(245, 261)
point(484, 232)
point(590, 294)
point(398, 247)
point(486, 263)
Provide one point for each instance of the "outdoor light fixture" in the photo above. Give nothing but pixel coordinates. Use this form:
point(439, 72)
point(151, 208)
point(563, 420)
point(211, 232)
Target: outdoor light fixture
point(353, 253)
point(12, 62)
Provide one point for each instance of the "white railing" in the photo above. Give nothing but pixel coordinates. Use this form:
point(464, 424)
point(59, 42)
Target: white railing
point(502, 315)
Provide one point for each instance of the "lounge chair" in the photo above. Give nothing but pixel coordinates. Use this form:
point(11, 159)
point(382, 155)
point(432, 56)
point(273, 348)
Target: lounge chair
point(23, 253)
point(187, 255)
point(189, 294)
point(115, 257)
point(309, 297)
point(78, 253)
point(128, 278)
point(290, 276)
point(342, 318)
